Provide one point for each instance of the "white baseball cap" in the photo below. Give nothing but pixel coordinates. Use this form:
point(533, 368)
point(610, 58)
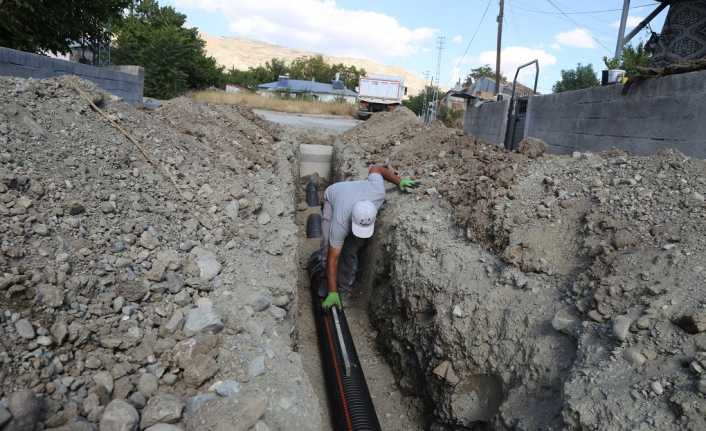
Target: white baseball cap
point(364, 213)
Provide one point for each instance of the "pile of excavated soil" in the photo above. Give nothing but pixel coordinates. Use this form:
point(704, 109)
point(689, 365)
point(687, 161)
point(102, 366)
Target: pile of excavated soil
point(153, 292)
point(578, 302)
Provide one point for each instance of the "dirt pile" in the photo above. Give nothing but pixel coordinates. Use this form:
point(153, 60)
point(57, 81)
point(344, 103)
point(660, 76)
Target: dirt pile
point(139, 293)
point(579, 301)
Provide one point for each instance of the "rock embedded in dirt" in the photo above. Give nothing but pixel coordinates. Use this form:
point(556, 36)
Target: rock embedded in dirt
point(621, 327)
point(199, 369)
point(164, 427)
point(163, 407)
point(202, 319)
point(207, 262)
point(119, 415)
point(533, 147)
point(25, 329)
point(5, 416)
point(148, 384)
point(27, 411)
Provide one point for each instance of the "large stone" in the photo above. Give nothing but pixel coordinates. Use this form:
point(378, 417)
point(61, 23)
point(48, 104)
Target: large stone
point(148, 384)
point(50, 295)
point(119, 415)
point(27, 411)
point(207, 263)
point(5, 416)
point(621, 327)
point(162, 408)
point(25, 329)
point(232, 209)
point(104, 379)
point(199, 369)
point(533, 147)
point(194, 403)
point(164, 427)
point(202, 319)
point(148, 241)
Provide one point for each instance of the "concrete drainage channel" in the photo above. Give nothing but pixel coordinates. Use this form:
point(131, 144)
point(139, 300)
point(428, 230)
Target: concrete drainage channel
point(394, 410)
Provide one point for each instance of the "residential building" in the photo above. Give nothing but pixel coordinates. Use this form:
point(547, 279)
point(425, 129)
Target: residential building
point(297, 88)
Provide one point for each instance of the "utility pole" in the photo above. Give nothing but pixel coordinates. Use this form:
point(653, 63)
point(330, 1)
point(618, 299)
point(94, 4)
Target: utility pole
point(423, 114)
point(500, 44)
point(440, 47)
point(621, 32)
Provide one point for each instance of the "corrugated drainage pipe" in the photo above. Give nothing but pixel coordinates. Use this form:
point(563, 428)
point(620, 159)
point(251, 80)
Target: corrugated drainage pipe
point(352, 407)
point(313, 226)
point(312, 194)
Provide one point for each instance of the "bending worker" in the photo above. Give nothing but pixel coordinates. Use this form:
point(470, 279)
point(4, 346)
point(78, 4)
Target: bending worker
point(351, 206)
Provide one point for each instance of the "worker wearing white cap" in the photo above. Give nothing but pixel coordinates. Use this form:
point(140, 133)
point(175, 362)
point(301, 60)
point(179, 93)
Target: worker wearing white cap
point(352, 206)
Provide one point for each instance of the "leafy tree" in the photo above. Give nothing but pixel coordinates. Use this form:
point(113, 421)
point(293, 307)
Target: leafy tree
point(632, 58)
point(52, 25)
point(416, 103)
point(576, 79)
point(173, 56)
point(480, 72)
point(306, 68)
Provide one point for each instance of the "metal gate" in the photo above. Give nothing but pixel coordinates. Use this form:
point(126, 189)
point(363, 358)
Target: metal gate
point(517, 111)
point(516, 122)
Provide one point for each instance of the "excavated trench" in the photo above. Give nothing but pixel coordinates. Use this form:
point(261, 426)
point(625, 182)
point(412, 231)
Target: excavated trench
point(395, 410)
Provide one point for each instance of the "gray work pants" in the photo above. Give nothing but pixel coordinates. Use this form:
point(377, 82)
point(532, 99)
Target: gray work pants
point(348, 261)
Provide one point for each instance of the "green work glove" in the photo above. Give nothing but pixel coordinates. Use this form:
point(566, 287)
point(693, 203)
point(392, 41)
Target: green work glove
point(408, 183)
point(332, 299)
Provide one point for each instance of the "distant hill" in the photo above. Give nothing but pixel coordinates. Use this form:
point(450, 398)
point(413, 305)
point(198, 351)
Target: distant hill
point(243, 53)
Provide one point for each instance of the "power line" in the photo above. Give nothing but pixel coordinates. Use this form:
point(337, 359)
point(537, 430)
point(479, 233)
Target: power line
point(485, 12)
point(551, 2)
point(583, 12)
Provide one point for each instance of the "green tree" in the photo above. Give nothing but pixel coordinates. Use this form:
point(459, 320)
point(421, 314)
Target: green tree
point(173, 56)
point(481, 72)
point(576, 79)
point(416, 103)
point(632, 58)
point(306, 68)
point(52, 25)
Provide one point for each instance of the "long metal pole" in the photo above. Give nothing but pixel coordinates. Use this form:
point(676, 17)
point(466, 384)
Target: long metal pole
point(500, 43)
point(621, 31)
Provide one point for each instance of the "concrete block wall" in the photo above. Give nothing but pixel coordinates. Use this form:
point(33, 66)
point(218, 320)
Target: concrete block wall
point(660, 113)
point(487, 121)
point(126, 82)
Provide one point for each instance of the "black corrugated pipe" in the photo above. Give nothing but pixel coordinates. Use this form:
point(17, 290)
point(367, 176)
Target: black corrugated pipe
point(313, 226)
point(352, 407)
point(312, 194)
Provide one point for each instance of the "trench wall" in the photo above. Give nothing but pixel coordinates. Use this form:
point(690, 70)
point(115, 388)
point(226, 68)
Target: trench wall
point(655, 114)
point(487, 121)
point(126, 82)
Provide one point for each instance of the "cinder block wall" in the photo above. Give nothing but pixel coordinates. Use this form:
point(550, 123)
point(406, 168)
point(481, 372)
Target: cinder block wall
point(126, 82)
point(667, 112)
point(488, 121)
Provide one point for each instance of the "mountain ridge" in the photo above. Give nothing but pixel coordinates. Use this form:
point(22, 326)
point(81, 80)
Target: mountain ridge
point(243, 53)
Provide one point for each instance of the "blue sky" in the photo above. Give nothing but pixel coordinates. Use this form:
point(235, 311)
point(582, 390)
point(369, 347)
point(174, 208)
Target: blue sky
point(404, 32)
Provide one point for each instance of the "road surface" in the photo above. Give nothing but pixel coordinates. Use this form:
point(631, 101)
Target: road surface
point(304, 121)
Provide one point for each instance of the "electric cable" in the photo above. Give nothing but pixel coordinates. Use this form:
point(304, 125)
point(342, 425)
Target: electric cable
point(485, 12)
point(583, 12)
point(554, 5)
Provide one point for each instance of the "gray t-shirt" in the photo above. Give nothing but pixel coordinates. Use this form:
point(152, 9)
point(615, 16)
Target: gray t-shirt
point(342, 196)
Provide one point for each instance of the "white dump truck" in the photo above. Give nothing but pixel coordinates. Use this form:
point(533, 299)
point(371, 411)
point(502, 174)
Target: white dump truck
point(377, 93)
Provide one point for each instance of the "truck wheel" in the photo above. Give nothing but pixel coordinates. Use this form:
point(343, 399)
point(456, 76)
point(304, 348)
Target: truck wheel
point(364, 115)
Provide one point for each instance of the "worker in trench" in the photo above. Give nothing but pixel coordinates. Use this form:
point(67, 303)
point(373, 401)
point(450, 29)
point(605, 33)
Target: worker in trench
point(351, 207)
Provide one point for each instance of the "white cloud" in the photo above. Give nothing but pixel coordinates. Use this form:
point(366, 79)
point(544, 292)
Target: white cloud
point(458, 39)
point(577, 38)
point(318, 25)
point(631, 23)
